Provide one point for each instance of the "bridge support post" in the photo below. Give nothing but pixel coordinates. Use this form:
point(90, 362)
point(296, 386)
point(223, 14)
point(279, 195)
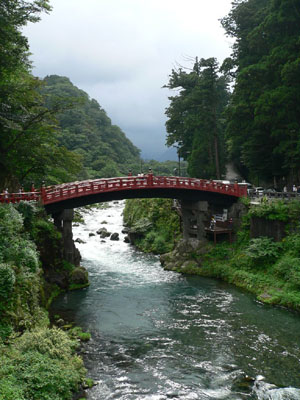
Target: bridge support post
point(63, 222)
point(194, 216)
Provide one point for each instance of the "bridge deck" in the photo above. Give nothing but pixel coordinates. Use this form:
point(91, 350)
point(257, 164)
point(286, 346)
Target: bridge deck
point(60, 193)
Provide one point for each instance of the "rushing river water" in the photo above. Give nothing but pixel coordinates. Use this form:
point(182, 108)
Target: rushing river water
point(158, 335)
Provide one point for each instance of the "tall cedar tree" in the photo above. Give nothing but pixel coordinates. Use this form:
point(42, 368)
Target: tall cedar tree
point(195, 124)
point(263, 129)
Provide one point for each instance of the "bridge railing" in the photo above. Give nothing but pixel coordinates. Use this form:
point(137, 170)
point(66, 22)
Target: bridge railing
point(17, 197)
point(77, 189)
point(52, 194)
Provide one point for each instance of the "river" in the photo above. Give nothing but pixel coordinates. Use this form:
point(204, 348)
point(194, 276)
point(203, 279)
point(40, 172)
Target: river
point(158, 335)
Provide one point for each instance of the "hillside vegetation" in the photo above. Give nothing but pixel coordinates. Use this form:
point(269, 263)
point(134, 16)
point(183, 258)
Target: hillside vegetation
point(86, 129)
point(153, 223)
point(36, 362)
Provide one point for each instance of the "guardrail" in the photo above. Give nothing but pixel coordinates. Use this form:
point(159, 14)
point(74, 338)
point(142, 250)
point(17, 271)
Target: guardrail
point(21, 196)
point(276, 195)
point(54, 194)
point(77, 189)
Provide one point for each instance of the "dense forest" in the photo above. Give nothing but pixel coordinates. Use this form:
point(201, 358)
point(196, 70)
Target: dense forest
point(257, 126)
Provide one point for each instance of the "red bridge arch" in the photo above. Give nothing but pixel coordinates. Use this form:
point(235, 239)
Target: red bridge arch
point(76, 194)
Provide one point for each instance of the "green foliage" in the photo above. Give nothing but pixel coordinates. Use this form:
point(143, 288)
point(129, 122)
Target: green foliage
point(195, 124)
point(20, 281)
point(7, 282)
point(155, 222)
point(141, 226)
point(86, 130)
point(270, 270)
point(291, 244)
point(277, 210)
point(288, 268)
point(44, 230)
point(263, 129)
point(28, 138)
point(14, 248)
point(77, 332)
point(263, 249)
point(29, 211)
point(40, 365)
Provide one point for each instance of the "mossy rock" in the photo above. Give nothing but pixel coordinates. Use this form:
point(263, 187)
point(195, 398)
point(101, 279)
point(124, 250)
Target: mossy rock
point(189, 266)
point(79, 276)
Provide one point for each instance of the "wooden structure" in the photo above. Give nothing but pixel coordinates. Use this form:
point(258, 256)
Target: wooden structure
point(220, 228)
point(87, 192)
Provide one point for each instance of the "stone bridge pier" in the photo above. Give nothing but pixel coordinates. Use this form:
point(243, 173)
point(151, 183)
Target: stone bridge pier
point(63, 222)
point(194, 216)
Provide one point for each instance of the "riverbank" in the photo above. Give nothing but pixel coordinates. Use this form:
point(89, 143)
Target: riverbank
point(37, 361)
point(267, 268)
point(265, 262)
point(160, 334)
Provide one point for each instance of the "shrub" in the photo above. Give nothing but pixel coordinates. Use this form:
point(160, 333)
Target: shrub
point(291, 244)
point(27, 256)
point(7, 281)
point(288, 268)
point(28, 210)
point(275, 210)
point(263, 249)
point(155, 221)
point(40, 365)
point(160, 245)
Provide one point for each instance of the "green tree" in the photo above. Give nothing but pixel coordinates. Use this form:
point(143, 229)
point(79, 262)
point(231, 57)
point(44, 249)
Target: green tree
point(195, 122)
point(28, 142)
point(263, 127)
point(87, 130)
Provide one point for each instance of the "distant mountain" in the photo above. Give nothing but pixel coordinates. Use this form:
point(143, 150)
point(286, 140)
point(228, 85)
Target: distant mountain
point(87, 130)
point(167, 155)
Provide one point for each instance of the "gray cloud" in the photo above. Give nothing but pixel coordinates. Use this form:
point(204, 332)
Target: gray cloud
point(122, 51)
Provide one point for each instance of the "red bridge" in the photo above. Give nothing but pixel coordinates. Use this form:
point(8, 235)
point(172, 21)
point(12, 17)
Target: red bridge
point(77, 194)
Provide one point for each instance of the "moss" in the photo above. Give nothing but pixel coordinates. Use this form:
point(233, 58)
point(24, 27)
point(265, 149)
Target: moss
point(88, 383)
point(53, 291)
point(77, 332)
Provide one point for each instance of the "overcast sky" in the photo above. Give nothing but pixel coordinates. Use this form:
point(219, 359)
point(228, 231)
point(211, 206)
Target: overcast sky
point(121, 53)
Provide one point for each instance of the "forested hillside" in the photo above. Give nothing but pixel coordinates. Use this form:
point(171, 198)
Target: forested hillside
point(86, 129)
point(29, 148)
point(49, 130)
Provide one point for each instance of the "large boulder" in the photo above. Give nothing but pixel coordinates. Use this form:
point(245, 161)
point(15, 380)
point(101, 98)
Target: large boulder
point(79, 276)
point(115, 236)
point(186, 257)
point(103, 232)
point(80, 241)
